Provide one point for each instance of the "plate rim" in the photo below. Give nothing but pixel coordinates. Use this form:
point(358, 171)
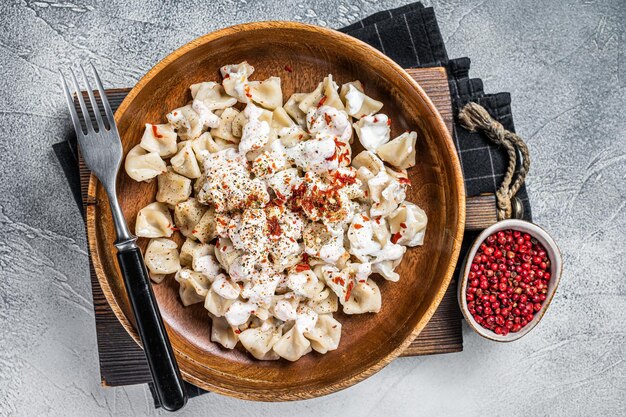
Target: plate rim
point(351, 379)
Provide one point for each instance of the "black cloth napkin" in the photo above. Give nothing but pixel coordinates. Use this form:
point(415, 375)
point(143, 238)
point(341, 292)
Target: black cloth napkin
point(410, 36)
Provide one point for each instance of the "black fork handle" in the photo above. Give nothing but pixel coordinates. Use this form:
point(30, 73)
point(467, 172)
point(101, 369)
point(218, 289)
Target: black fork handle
point(168, 383)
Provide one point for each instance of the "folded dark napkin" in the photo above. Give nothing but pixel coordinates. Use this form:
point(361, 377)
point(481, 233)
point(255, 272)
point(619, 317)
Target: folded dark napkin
point(410, 36)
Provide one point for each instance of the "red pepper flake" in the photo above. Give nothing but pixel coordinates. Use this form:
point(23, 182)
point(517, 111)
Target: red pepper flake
point(358, 226)
point(155, 132)
point(217, 244)
point(349, 290)
point(227, 76)
point(375, 119)
point(322, 101)
point(302, 267)
point(237, 331)
point(273, 226)
point(333, 156)
point(288, 68)
point(279, 195)
point(222, 222)
point(377, 219)
point(292, 240)
point(338, 280)
point(247, 90)
point(327, 118)
point(367, 219)
point(388, 122)
point(395, 237)
point(305, 258)
point(405, 181)
point(403, 225)
point(341, 180)
point(174, 228)
point(194, 231)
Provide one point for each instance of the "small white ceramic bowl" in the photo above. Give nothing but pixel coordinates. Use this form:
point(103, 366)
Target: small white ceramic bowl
point(556, 262)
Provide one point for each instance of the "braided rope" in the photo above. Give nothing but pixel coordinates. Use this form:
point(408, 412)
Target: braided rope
point(474, 118)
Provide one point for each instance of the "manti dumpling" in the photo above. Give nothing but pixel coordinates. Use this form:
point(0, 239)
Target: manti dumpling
point(222, 333)
point(185, 162)
point(373, 131)
point(154, 220)
point(399, 152)
point(325, 94)
point(235, 80)
point(203, 261)
point(159, 138)
point(267, 93)
point(216, 305)
point(357, 103)
point(304, 283)
point(324, 302)
point(209, 96)
point(204, 230)
point(281, 119)
point(387, 269)
point(361, 237)
point(225, 288)
point(364, 298)
point(224, 130)
point(142, 165)
point(205, 144)
point(187, 215)
point(186, 252)
point(186, 121)
point(369, 161)
point(292, 345)
point(386, 193)
point(260, 340)
point(194, 286)
point(292, 107)
point(173, 188)
point(225, 253)
point(325, 335)
point(162, 256)
point(408, 224)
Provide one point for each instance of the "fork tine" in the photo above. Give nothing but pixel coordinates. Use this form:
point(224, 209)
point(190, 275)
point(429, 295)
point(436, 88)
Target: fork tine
point(103, 97)
point(94, 103)
point(70, 103)
point(83, 106)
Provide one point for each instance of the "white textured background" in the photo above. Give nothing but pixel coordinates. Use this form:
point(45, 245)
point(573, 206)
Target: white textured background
point(564, 63)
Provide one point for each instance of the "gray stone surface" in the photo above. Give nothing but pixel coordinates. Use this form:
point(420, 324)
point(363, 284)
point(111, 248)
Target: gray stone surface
point(564, 63)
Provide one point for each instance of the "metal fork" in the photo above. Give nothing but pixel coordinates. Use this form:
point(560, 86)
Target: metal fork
point(101, 150)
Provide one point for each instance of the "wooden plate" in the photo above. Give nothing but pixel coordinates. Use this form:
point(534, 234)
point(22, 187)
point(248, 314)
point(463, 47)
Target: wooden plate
point(368, 341)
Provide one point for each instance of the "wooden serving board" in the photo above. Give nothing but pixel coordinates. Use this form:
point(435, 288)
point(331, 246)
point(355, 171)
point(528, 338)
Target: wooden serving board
point(122, 361)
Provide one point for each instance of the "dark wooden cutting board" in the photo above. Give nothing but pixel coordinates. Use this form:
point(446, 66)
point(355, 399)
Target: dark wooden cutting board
point(122, 361)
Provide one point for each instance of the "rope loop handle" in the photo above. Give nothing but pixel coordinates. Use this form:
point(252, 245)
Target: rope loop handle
point(475, 118)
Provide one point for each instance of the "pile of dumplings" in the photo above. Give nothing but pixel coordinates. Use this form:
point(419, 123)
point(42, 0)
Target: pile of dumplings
point(283, 225)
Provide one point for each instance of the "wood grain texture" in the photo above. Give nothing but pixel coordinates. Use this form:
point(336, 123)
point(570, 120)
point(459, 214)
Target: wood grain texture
point(481, 212)
point(368, 342)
